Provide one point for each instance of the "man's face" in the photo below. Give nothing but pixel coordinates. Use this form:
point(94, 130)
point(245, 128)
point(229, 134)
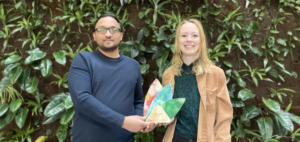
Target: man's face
point(107, 40)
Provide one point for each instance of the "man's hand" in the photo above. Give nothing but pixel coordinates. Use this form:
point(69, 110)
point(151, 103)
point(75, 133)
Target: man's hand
point(149, 127)
point(167, 123)
point(134, 123)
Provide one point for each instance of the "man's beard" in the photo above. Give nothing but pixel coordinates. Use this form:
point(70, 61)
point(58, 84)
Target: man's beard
point(110, 49)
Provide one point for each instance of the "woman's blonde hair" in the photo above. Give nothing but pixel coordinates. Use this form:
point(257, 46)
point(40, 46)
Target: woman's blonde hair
point(202, 63)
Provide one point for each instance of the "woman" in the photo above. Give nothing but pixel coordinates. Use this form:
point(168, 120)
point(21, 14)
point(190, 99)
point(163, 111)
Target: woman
point(207, 113)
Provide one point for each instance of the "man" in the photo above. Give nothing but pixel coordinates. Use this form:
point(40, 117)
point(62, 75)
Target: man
point(106, 89)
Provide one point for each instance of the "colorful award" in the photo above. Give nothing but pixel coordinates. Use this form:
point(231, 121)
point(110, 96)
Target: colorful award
point(159, 106)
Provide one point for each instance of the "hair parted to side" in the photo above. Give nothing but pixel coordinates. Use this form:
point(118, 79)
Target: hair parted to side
point(108, 15)
point(202, 63)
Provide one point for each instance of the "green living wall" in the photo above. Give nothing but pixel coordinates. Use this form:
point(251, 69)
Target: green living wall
point(256, 43)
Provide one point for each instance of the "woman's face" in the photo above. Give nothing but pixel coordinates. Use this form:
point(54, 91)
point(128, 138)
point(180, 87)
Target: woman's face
point(189, 40)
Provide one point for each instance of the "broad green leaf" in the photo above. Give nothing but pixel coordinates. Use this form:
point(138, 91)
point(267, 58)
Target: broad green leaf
point(54, 107)
point(15, 105)
point(134, 52)
point(10, 67)
point(67, 116)
point(60, 57)
point(281, 41)
point(9, 117)
point(272, 105)
point(49, 120)
point(46, 67)
point(21, 117)
point(144, 68)
point(61, 132)
point(12, 59)
point(140, 36)
point(14, 74)
point(240, 130)
point(250, 112)
point(245, 94)
point(266, 60)
point(161, 60)
point(265, 125)
point(3, 122)
point(284, 119)
point(281, 131)
point(31, 84)
point(68, 102)
point(34, 55)
point(294, 118)
point(3, 108)
point(237, 103)
point(4, 84)
point(24, 78)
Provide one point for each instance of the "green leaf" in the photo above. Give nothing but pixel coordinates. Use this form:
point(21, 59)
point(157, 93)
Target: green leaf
point(31, 84)
point(68, 102)
point(279, 64)
point(294, 118)
point(21, 117)
point(272, 105)
point(144, 68)
point(61, 132)
point(3, 122)
point(284, 119)
point(34, 55)
point(24, 78)
point(14, 74)
point(245, 94)
point(51, 119)
point(240, 130)
point(281, 131)
point(265, 125)
point(54, 107)
point(67, 116)
point(161, 60)
point(9, 117)
point(60, 57)
point(12, 59)
point(46, 67)
point(15, 105)
point(134, 52)
point(281, 41)
point(250, 112)
point(3, 108)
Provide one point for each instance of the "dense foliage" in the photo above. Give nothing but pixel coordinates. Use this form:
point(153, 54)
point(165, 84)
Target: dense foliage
point(253, 41)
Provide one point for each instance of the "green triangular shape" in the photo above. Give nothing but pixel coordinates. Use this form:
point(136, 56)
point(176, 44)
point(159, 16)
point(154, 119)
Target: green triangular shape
point(173, 106)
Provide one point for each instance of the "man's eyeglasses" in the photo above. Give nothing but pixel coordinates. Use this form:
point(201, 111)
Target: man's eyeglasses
point(112, 30)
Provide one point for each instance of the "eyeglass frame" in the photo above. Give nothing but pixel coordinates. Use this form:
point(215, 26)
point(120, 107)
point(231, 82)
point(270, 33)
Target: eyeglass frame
point(110, 29)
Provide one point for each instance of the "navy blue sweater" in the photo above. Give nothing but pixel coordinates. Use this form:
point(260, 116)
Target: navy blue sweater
point(104, 90)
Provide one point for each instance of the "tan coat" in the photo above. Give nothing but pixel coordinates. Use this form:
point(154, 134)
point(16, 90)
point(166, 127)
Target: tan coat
point(215, 113)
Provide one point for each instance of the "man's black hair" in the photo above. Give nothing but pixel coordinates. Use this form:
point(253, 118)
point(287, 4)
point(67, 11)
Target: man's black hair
point(108, 15)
